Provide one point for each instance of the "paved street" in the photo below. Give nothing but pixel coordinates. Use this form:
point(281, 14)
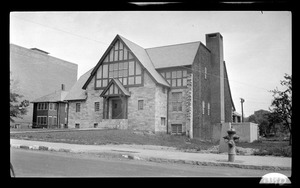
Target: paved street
point(31, 163)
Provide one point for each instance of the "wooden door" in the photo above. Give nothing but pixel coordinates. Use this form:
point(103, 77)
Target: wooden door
point(117, 112)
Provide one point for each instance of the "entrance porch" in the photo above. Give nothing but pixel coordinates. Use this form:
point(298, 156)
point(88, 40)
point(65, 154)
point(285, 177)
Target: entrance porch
point(115, 106)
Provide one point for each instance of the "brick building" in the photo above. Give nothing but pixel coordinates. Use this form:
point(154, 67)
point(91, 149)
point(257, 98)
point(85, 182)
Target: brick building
point(50, 111)
point(35, 73)
point(178, 89)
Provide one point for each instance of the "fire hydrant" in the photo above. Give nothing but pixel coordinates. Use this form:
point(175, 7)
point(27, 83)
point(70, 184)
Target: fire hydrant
point(230, 139)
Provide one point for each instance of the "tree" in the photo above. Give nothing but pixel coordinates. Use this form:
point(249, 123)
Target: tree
point(17, 109)
point(281, 105)
point(260, 117)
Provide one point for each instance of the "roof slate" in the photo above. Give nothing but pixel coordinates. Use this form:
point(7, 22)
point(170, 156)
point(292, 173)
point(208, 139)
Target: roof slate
point(76, 92)
point(57, 96)
point(145, 60)
point(173, 55)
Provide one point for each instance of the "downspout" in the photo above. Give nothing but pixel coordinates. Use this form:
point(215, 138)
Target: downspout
point(168, 110)
point(67, 114)
point(57, 119)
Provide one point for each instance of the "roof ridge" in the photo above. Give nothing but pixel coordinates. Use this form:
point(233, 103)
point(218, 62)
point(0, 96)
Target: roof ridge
point(141, 47)
point(173, 45)
point(130, 41)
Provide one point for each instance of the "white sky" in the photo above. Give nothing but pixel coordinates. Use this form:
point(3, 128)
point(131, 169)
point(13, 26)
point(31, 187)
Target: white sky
point(257, 45)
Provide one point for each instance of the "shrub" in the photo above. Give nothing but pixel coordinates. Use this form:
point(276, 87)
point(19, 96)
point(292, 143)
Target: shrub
point(275, 151)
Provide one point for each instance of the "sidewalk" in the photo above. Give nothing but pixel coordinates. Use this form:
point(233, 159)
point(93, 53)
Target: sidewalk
point(162, 154)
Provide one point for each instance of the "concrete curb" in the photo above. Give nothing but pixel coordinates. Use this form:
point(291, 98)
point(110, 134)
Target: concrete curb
point(44, 148)
point(159, 160)
point(209, 163)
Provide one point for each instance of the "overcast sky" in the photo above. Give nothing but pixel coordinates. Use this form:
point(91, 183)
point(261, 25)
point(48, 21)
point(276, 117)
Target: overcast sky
point(257, 45)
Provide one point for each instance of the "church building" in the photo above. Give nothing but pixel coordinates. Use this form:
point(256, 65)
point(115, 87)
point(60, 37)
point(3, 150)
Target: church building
point(174, 89)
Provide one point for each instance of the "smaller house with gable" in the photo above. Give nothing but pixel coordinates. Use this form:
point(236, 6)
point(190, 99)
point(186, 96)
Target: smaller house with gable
point(51, 111)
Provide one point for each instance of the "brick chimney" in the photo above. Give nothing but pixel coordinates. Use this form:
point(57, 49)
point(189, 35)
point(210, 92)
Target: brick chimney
point(214, 42)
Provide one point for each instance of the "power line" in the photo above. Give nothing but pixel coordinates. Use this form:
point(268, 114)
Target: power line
point(97, 41)
point(62, 30)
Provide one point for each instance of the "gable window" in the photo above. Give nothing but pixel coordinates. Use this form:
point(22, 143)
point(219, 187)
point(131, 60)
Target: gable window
point(205, 73)
point(176, 78)
point(119, 63)
point(77, 107)
point(97, 104)
point(140, 104)
point(176, 101)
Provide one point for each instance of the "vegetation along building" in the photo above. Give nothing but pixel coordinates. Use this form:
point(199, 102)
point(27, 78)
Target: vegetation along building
point(178, 89)
point(35, 73)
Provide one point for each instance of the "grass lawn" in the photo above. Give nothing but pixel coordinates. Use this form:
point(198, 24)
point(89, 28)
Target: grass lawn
point(113, 136)
point(266, 147)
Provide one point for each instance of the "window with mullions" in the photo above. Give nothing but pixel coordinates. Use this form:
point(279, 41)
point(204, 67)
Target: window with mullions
point(176, 100)
point(176, 78)
point(42, 120)
point(120, 64)
point(42, 106)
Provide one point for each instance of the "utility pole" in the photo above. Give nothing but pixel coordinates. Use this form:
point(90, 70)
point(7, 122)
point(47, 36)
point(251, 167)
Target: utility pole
point(242, 101)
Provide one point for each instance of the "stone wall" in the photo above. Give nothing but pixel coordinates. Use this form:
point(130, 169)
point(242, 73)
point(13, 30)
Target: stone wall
point(87, 115)
point(189, 106)
point(113, 124)
point(78, 117)
point(178, 117)
point(161, 103)
point(142, 119)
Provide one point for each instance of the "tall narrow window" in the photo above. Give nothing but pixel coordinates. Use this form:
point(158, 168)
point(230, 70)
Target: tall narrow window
point(77, 107)
point(54, 120)
point(140, 104)
point(203, 107)
point(162, 121)
point(208, 109)
point(97, 105)
point(205, 73)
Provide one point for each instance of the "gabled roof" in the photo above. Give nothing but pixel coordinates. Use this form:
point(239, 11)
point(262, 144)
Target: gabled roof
point(137, 51)
point(57, 96)
point(173, 55)
point(141, 54)
point(76, 92)
point(119, 86)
